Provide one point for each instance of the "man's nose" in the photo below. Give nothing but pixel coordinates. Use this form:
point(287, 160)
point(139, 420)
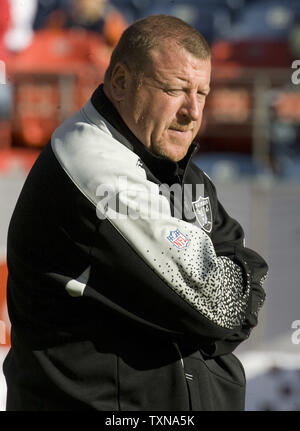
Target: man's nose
point(191, 107)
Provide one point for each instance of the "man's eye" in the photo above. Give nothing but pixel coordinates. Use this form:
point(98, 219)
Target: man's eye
point(173, 91)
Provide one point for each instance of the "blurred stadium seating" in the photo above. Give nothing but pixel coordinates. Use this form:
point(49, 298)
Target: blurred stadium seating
point(265, 19)
point(211, 17)
point(249, 140)
point(58, 71)
point(98, 16)
point(52, 78)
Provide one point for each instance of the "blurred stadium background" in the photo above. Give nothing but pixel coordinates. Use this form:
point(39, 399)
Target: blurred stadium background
point(53, 53)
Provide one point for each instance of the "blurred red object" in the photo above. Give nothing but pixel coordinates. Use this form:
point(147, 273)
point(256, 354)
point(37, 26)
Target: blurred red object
point(5, 20)
point(53, 78)
point(114, 26)
point(20, 158)
point(287, 106)
point(230, 105)
point(252, 53)
point(61, 50)
point(5, 133)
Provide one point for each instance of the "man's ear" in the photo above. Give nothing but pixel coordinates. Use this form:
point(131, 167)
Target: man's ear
point(119, 82)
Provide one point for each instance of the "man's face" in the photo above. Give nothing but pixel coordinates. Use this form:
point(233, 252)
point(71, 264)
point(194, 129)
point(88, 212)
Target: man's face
point(165, 111)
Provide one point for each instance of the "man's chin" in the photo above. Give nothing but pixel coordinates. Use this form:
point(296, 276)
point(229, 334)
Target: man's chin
point(173, 152)
point(171, 157)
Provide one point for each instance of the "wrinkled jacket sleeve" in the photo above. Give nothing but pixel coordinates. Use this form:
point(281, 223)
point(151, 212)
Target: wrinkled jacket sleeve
point(228, 240)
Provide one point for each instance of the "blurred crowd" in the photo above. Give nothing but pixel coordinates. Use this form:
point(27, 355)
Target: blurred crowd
point(39, 38)
point(20, 20)
point(216, 19)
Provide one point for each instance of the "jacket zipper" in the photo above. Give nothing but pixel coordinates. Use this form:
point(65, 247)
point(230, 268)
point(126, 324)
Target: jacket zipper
point(188, 377)
point(179, 353)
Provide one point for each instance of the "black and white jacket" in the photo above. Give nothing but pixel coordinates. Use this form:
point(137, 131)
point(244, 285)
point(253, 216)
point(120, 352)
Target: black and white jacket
point(113, 306)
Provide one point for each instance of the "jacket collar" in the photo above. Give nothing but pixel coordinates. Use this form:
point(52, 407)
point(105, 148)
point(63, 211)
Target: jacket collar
point(164, 170)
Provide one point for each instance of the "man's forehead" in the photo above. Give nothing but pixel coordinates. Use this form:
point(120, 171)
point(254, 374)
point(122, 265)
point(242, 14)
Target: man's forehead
point(167, 57)
point(184, 68)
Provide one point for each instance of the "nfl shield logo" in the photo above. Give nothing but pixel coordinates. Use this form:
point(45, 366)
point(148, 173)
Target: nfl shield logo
point(178, 239)
point(202, 210)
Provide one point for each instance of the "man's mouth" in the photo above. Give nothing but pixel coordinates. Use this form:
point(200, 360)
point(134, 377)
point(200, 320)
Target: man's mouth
point(180, 129)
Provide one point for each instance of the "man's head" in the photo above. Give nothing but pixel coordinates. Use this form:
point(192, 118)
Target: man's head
point(158, 80)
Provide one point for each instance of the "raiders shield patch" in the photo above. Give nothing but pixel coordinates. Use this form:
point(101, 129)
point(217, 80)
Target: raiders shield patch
point(202, 210)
